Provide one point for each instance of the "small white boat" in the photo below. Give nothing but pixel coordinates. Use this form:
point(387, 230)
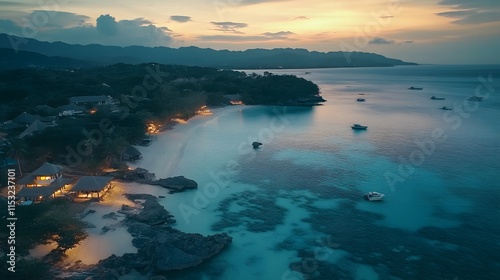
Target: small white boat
point(373, 196)
point(359, 127)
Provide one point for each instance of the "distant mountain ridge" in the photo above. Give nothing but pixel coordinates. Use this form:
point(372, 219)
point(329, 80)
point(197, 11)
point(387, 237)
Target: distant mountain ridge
point(9, 59)
point(195, 56)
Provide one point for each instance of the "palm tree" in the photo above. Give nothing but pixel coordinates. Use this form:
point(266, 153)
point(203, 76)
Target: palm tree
point(17, 148)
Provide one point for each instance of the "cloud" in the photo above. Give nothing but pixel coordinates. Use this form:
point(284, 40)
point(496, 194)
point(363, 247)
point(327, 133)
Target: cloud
point(57, 19)
point(139, 21)
point(265, 37)
point(231, 38)
point(247, 2)
point(13, 4)
point(471, 4)
point(456, 14)
point(472, 12)
point(228, 26)
point(78, 29)
point(471, 16)
point(278, 35)
point(381, 41)
point(107, 25)
point(181, 19)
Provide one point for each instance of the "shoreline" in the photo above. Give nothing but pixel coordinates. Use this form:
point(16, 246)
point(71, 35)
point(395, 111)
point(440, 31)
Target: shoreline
point(100, 245)
point(172, 143)
point(334, 210)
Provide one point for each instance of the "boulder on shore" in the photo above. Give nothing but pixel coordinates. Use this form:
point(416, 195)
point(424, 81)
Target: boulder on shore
point(143, 176)
point(139, 175)
point(152, 212)
point(177, 184)
point(256, 145)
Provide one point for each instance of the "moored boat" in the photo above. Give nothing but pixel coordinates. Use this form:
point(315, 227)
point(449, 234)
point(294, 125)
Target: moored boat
point(359, 127)
point(437, 98)
point(373, 196)
point(415, 88)
point(445, 108)
point(360, 99)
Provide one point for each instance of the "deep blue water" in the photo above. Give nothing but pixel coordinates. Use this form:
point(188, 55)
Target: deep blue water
point(294, 207)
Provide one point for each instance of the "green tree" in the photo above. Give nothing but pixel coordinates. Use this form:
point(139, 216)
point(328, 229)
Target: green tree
point(16, 150)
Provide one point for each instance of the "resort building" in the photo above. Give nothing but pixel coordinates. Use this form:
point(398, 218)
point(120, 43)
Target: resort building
point(92, 186)
point(9, 126)
point(70, 110)
point(35, 127)
point(45, 182)
point(92, 100)
point(46, 110)
point(25, 119)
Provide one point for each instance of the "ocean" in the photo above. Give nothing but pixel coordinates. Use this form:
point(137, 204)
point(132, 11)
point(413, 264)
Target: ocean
point(295, 206)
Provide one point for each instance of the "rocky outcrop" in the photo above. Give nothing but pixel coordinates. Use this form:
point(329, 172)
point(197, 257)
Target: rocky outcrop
point(110, 215)
point(160, 247)
point(256, 145)
point(143, 176)
point(140, 175)
point(177, 184)
point(175, 250)
point(151, 212)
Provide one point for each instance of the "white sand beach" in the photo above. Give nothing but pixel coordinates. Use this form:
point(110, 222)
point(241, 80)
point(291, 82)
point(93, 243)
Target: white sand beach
point(165, 154)
point(161, 157)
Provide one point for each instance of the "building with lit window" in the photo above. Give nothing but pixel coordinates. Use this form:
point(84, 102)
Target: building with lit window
point(45, 182)
point(92, 186)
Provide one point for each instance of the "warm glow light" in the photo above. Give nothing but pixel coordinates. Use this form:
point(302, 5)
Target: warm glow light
point(93, 111)
point(204, 111)
point(179, 120)
point(153, 128)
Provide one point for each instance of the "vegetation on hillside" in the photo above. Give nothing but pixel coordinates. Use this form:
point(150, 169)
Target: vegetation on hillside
point(146, 93)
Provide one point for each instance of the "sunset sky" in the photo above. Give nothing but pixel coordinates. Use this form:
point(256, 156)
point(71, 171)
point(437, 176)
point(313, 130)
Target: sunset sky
point(423, 31)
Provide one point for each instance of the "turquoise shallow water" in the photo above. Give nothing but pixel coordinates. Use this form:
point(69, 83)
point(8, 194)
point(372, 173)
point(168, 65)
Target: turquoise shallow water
point(294, 207)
